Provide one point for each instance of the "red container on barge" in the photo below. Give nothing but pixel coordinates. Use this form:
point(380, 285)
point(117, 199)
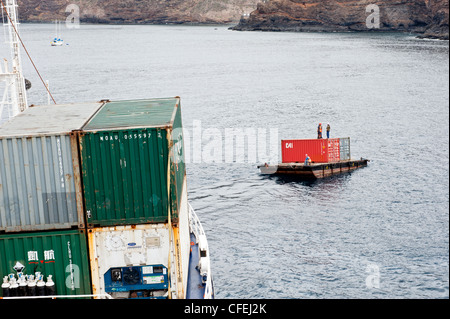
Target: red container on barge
point(319, 150)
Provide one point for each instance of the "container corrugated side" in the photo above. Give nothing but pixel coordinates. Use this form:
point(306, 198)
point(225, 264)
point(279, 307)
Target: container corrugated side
point(62, 254)
point(40, 183)
point(177, 163)
point(133, 175)
point(125, 176)
point(319, 150)
point(295, 150)
point(40, 187)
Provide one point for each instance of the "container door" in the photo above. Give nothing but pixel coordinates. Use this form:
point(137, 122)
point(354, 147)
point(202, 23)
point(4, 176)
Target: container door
point(115, 251)
point(125, 176)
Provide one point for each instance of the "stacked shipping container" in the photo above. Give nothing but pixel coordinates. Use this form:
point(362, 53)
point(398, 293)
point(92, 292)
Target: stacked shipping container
point(40, 192)
point(319, 150)
point(131, 162)
point(59, 256)
point(40, 187)
point(91, 168)
point(134, 174)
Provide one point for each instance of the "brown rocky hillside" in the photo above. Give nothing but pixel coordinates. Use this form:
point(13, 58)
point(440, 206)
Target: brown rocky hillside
point(139, 11)
point(427, 17)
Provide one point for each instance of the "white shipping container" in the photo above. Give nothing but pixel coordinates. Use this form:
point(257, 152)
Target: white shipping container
point(184, 240)
point(138, 248)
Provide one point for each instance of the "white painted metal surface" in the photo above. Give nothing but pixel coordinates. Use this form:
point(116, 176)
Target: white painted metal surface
point(122, 246)
point(14, 99)
point(50, 119)
point(197, 229)
point(184, 242)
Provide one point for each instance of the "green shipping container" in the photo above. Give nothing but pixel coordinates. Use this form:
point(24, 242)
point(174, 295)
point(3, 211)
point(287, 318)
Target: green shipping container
point(133, 166)
point(62, 254)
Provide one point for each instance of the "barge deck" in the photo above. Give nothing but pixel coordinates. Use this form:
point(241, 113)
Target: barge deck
point(315, 170)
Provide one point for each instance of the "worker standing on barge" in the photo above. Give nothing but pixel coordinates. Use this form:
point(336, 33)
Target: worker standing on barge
point(328, 130)
point(307, 160)
point(319, 131)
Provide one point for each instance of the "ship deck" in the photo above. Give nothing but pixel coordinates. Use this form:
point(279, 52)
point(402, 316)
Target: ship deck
point(195, 288)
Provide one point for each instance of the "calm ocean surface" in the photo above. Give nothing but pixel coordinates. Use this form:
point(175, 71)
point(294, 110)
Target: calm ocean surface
point(381, 232)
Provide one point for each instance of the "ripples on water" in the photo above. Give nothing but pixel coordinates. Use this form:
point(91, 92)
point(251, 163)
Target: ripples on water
point(276, 238)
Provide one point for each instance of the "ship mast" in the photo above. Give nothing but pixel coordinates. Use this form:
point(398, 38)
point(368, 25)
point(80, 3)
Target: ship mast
point(14, 98)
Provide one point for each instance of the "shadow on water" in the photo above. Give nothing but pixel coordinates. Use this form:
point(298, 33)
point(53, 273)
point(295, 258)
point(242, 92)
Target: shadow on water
point(337, 180)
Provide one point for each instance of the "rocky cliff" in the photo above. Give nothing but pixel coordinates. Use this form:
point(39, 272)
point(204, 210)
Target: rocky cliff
point(138, 11)
point(439, 14)
point(429, 18)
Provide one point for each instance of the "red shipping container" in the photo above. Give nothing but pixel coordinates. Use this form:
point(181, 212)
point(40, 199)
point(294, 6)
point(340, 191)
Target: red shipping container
point(319, 150)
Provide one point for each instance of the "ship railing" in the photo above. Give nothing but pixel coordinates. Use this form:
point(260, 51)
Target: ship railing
point(197, 230)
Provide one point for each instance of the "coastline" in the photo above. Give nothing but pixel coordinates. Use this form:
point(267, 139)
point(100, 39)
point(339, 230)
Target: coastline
point(419, 35)
point(424, 19)
point(244, 26)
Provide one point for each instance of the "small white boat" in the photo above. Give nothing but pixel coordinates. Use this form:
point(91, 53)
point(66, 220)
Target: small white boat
point(57, 41)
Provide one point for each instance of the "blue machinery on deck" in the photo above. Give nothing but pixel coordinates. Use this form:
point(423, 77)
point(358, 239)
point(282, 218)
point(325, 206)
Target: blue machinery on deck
point(140, 281)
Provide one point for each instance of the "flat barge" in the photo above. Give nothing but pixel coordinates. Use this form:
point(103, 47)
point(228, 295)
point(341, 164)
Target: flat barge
point(314, 170)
